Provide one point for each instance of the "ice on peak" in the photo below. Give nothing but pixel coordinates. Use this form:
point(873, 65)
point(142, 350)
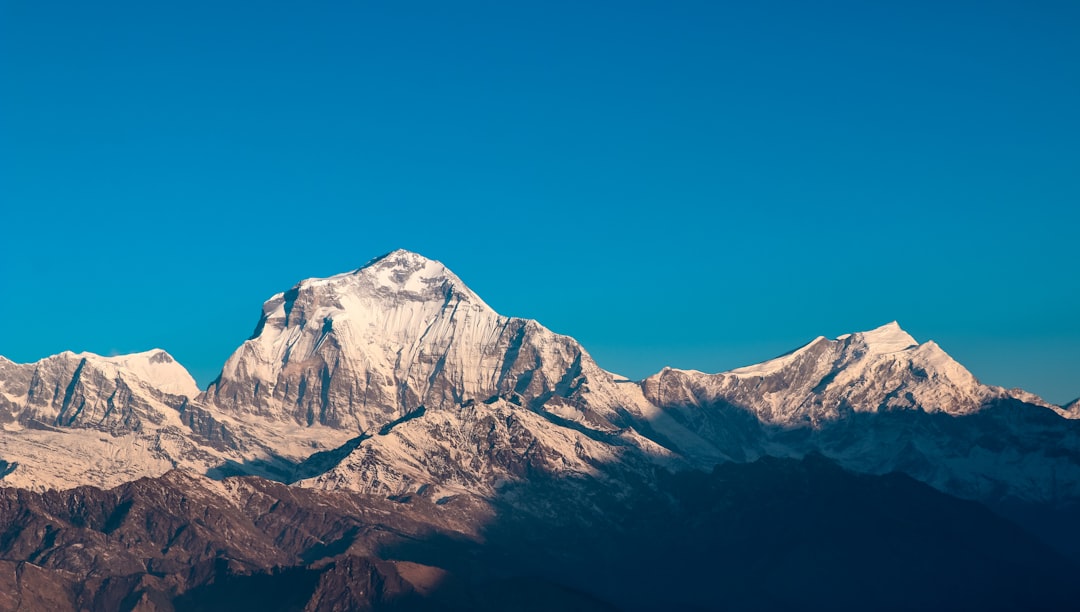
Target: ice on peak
point(779, 363)
point(397, 272)
point(155, 367)
point(396, 256)
point(888, 338)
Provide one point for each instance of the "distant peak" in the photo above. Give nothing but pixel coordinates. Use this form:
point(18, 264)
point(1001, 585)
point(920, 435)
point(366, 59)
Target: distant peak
point(887, 338)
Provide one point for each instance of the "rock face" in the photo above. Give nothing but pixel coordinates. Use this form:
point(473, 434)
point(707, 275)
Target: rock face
point(187, 542)
point(358, 350)
point(433, 387)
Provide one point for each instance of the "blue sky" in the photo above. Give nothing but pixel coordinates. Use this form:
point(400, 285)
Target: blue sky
point(695, 184)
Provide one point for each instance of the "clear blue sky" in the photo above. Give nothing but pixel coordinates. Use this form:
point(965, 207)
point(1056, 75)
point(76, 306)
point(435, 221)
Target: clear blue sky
point(695, 184)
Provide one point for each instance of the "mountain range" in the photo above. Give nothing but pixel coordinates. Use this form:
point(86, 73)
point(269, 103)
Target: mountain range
point(386, 439)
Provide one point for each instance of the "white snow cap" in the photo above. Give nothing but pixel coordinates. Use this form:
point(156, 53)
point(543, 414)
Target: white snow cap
point(888, 338)
point(155, 367)
point(399, 272)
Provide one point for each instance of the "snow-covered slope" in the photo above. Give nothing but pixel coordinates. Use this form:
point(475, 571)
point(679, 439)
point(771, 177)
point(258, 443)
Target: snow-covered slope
point(878, 401)
point(397, 378)
point(113, 393)
point(358, 350)
point(73, 419)
point(402, 344)
point(877, 370)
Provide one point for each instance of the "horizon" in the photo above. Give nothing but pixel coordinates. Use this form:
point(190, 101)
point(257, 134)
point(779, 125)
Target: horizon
point(695, 186)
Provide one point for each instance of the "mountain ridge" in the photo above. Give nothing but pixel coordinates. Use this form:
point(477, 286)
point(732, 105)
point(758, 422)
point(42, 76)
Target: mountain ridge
point(396, 377)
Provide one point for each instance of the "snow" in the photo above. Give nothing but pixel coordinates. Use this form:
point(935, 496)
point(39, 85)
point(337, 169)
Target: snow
point(404, 331)
point(154, 367)
point(775, 365)
point(888, 338)
point(883, 368)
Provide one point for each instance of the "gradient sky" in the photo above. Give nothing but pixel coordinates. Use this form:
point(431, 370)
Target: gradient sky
point(696, 184)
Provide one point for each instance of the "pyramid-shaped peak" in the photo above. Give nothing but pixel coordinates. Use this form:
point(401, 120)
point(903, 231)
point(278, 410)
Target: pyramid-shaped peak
point(397, 276)
point(403, 270)
point(399, 258)
point(887, 338)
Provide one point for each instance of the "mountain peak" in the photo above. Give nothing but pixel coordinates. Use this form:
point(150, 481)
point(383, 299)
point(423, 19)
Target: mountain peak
point(397, 255)
point(402, 273)
point(888, 338)
point(407, 270)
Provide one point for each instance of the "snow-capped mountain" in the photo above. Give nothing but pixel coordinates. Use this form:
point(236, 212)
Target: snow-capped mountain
point(82, 418)
point(396, 377)
point(429, 383)
point(877, 370)
point(357, 350)
point(111, 392)
point(878, 401)
point(392, 405)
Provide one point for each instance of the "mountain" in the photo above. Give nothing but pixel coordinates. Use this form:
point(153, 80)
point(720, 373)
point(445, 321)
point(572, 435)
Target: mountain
point(389, 378)
point(402, 332)
point(421, 384)
point(877, 402)
point(396, 377)
point(389, 415)
point(74, 419)
point(874, 371)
